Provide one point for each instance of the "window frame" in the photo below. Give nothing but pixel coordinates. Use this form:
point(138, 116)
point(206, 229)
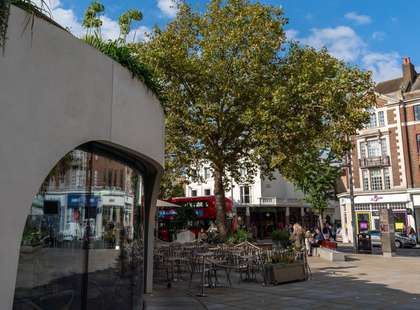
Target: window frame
point(416, 112)
point(418, 143)
point(245, 198)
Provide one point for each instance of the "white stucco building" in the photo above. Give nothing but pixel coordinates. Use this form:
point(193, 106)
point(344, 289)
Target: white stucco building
point(264, 202)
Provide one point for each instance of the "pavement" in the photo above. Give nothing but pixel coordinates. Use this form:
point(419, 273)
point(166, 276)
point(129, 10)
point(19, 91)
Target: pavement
point(362, 282)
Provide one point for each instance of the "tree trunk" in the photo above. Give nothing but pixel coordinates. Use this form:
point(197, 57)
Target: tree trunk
point(321, 221)
point(219, 194)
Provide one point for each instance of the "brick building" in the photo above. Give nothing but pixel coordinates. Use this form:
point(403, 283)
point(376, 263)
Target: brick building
point(386, 158)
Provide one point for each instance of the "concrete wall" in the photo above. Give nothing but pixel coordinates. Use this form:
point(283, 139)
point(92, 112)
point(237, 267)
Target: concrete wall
point(57, 93)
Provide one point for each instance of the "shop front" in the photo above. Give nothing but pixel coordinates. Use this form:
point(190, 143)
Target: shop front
point(367, 209)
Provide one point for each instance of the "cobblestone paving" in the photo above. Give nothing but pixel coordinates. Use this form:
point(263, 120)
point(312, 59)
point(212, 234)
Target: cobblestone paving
point(362, 282)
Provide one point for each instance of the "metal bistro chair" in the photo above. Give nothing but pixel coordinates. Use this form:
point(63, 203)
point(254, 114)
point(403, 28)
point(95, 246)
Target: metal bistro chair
point(198, 265)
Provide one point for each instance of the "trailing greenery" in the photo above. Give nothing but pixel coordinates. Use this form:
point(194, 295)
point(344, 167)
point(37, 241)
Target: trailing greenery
point(123, 54)
point(29, 6)
point(118, 50)
point(4, 18)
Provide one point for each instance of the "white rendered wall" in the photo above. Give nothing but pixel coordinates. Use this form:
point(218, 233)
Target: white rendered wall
point(57, 93)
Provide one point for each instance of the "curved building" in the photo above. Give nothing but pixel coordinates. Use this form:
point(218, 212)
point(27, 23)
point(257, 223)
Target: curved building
point(81, 157)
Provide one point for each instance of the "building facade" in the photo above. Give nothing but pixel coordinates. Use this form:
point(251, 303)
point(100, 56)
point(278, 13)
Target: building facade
point(264, 203)
point(386, 158)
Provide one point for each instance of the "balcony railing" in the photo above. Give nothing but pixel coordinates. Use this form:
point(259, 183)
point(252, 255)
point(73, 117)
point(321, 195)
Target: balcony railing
point(268, 200)
point(377, 161)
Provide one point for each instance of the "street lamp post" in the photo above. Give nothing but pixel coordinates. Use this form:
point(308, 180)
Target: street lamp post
point(351, 192)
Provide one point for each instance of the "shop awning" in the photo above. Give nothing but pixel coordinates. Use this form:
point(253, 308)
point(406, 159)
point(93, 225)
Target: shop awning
point(165, 204)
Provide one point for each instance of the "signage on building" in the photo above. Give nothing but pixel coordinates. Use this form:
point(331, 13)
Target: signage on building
point(376, 198)
point(382, 198)
point(113, 201)
point(82, 200)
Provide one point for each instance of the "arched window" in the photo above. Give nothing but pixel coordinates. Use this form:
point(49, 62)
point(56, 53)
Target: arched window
point(83, 242)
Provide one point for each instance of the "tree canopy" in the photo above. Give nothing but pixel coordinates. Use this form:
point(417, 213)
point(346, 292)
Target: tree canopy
point(235, 98)
point(216, 68)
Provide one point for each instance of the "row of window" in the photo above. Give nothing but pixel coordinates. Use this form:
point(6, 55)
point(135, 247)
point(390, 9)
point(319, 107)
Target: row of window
point(245, 193)
point(207, 192)
point(376, 179)
point(373, 148)
point(376, 119)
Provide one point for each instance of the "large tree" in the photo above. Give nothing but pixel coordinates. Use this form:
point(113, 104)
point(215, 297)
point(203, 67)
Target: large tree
point(234, 98)
point(216, 68)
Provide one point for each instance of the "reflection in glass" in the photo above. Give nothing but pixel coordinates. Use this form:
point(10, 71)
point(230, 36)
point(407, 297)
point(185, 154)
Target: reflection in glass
point(82, 246)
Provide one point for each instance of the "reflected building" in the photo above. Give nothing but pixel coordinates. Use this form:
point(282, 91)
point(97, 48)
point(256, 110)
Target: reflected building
point(84, 237)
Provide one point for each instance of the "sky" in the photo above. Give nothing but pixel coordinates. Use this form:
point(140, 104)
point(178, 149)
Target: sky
point(373, 34)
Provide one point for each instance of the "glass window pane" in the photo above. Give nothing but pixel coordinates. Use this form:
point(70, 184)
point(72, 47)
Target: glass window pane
point(387, 179)
point(372, 119)
point(365, 176)
point(381, 118)
point(417, 112)
point(418, 143)
point(362, 149)
point(384, 148)
point(83, 244)
point(373, 148)
point(376, 179)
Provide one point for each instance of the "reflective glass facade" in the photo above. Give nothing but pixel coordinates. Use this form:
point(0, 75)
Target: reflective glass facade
point(83, 242)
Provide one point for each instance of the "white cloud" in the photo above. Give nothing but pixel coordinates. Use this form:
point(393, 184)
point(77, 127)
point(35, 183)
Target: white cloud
point(169, 8)
point(47, 4)
point(384, 66)
point(358, 18)
point(291, 34)
point(342, 42)
point(110, 29)
point(139, 34)
point(378, 35)
point(68, 19)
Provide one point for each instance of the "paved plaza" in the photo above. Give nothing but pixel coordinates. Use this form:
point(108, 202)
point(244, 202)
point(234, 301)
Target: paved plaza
point(362, 282)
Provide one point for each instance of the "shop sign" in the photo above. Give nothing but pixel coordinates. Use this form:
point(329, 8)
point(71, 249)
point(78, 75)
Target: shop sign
point(82, 200)
point(113, 201)
point(382, 198)
point(376, 198)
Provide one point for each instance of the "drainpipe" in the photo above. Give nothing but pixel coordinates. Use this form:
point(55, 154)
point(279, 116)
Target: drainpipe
point(351, 192)
point(408, 144)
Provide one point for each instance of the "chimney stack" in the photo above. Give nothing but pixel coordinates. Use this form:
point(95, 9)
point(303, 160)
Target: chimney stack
point(409, 73)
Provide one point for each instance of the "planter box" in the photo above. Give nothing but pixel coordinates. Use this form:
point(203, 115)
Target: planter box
point(283, 273)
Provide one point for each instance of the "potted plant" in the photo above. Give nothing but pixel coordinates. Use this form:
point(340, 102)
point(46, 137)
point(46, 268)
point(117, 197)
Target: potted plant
point(241, 235)
point(280, 239)
point(283, 267)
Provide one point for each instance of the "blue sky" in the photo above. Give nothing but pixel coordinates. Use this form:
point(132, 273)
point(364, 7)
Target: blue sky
point(373, 34)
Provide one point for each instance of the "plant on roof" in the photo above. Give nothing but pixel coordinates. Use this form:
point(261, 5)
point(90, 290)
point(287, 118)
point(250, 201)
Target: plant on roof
point(40, 9)
point(119, 50)
point(92, 18)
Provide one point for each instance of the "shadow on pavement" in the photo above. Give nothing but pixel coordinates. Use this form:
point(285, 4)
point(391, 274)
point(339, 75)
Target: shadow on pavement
point(330, 288)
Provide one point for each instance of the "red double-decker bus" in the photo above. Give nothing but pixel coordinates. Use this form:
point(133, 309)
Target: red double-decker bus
point(204, 211)
point(205, 206)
